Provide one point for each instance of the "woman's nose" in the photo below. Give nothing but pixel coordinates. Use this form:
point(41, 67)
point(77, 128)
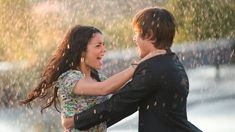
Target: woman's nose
point(103, 49)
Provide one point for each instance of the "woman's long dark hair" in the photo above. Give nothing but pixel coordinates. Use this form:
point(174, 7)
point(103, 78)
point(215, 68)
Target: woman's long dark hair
point(66, 57)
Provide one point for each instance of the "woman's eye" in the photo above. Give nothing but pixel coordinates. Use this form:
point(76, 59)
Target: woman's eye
point(98, 45)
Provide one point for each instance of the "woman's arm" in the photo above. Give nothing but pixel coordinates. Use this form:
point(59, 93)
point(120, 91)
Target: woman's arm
point(113, 83)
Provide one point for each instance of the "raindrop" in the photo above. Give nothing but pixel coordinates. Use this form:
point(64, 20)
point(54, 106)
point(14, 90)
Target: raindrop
point(163, 104)
point(155, 103)
point(143, 23)
point(158, 18)
point(147, 107)
point(101, 116)
point(157, 25)
point(49, 99)
point(152, 23)
point(232, 53)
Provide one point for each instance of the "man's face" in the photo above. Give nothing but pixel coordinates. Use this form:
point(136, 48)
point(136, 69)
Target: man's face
point(141, 43)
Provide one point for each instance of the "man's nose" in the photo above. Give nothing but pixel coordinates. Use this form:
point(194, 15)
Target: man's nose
point(134, 38)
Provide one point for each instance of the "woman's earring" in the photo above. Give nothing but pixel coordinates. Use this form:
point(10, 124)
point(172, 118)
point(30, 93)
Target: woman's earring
point(82, 59)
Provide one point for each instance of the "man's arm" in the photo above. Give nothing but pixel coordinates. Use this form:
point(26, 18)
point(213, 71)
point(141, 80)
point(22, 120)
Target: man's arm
point(121, 104)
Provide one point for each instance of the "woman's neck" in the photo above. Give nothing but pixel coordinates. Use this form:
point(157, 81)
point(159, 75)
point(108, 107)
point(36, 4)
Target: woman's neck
point(85, 69)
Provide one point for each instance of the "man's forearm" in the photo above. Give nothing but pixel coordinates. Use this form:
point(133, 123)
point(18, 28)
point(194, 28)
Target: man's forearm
point(91, 117)
point(120, 105)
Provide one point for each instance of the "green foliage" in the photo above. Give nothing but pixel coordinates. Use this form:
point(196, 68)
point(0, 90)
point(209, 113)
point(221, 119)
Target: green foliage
point(119, 34)
point(203, 19)
point(28, 31)
point(16, 31)
point(14, 85)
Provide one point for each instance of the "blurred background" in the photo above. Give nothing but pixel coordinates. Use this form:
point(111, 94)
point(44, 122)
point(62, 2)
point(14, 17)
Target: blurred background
point(30, 31)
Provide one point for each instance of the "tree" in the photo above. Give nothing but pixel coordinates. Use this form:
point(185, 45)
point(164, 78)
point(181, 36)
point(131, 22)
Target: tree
point(203, 19)
point(16, 30)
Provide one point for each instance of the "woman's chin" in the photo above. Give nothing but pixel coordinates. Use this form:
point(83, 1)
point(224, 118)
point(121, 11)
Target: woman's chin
point(97, 67)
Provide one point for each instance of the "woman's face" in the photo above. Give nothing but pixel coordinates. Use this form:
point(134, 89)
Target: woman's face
point(95, 51)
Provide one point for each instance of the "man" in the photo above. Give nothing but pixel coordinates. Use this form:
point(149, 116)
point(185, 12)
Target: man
point(159, 86)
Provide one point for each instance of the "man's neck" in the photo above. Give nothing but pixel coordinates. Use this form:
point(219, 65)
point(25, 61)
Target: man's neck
point(156, 50)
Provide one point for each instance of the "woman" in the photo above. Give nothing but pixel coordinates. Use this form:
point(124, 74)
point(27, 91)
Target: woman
point(72, 73)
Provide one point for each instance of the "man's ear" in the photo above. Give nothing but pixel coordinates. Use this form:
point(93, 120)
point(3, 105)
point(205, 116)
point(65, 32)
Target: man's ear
point(150, 34)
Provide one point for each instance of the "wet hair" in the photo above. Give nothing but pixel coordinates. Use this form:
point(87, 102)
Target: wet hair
point(156, 24)
point(67, 56)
